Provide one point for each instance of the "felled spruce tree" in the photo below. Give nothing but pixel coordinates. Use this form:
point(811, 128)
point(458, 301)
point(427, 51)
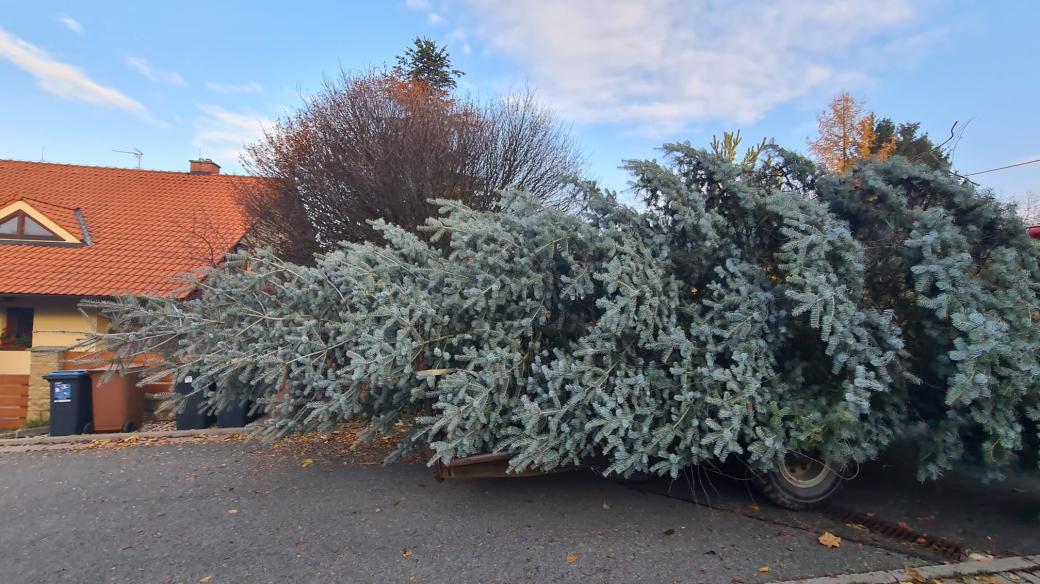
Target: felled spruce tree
point(753, 310)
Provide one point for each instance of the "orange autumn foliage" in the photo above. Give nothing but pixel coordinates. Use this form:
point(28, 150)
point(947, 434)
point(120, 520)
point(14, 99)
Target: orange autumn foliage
point(846, 133)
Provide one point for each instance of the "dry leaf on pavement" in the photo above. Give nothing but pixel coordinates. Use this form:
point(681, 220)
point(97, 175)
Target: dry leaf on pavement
point(764, 569)
point(830, 540)
point(406, 553)
point(571, 558)
point(917, 577)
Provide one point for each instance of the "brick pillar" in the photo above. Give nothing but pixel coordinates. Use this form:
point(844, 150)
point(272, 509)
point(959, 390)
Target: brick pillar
point(42, 361)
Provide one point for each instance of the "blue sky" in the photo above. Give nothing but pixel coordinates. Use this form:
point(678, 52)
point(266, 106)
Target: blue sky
point(79, 80)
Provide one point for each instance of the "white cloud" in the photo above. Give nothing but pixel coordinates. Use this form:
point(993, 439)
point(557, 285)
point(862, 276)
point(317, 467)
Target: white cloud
point(432, 17)
point(235, 89)
point(142, 66)
point(659, 65)
point(70, 23)
point(458, 38)
point(64, 80)
point(223, 134)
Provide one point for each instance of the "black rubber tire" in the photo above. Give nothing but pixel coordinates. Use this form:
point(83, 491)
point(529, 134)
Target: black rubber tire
point(128, 426)
point(777, 488)
point(88, 428)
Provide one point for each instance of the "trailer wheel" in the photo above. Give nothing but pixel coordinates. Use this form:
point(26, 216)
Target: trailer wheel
point(800, 482)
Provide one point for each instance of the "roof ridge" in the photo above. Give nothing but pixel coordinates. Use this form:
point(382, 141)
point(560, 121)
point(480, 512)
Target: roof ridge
point(48, 203)
point(123, 168)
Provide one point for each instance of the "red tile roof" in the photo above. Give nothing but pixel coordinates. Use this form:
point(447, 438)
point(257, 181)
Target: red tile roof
point(65, 217)
point(146, 228)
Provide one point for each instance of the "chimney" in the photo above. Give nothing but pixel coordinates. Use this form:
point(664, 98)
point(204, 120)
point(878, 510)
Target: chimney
point(204, 166)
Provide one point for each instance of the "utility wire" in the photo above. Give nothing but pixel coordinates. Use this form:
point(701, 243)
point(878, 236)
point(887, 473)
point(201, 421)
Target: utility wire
point(1003, 167)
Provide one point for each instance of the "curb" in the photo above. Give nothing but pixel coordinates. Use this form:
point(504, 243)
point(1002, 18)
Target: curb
point(930, 573)
point(119, 436)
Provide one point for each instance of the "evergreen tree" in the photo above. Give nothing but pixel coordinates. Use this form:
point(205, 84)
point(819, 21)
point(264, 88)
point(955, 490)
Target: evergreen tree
point(429, 64)
point(752, 310)
point(908, 143)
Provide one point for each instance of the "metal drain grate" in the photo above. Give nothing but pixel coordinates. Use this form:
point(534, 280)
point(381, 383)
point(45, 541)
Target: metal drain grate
point(944, 547)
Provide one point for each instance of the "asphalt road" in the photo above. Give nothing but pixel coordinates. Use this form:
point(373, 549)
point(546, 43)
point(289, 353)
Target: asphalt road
point(237, 512)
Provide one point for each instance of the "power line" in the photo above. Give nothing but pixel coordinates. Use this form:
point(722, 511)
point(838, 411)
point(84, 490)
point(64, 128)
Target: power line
point(1003, 167)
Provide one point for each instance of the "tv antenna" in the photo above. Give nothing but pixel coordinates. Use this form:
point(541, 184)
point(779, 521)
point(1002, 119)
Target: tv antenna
point(136, 153)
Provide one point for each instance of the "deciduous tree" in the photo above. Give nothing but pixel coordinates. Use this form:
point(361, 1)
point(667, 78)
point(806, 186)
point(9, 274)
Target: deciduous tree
point(846, 134)
point(375, 146)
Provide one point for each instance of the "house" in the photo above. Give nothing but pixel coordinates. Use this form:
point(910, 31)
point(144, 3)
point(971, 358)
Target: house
point(71, 232)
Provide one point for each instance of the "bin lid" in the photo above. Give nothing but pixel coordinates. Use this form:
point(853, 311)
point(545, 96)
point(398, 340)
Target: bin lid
point(66, 374)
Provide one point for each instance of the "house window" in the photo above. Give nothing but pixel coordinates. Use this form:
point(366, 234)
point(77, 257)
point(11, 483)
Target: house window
point(19, 225)
point(18, 328)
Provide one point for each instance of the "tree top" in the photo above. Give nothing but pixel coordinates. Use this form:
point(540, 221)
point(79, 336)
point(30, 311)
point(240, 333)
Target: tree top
point(428, 63)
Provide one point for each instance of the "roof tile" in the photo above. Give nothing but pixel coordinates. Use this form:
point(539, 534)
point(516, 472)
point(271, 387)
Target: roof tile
point(148, 228)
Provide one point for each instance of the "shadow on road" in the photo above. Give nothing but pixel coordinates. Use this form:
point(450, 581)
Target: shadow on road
point(1001, 518)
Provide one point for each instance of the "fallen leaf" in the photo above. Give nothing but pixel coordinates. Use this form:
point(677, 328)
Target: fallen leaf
point(307, 462)
point(857, 526)
point(921, 540)
point(571, 558)
point(378, 509)
point(764, 569)
point(406, 553)
point(917, 577)
point(830, 540)
point(903, 525)
point(606, 507)
point(232, 511)
point(755, 508)
point(980, 557)
point(669, 531)
point(205, 579)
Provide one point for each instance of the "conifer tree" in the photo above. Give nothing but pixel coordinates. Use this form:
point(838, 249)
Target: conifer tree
point(427, 63)
point(751, 310)
point(847, 133)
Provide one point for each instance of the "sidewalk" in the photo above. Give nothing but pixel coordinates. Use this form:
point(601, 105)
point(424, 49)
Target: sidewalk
point(1021, 570)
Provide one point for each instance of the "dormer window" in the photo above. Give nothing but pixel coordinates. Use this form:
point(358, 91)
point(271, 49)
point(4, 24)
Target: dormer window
point(19, 225)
